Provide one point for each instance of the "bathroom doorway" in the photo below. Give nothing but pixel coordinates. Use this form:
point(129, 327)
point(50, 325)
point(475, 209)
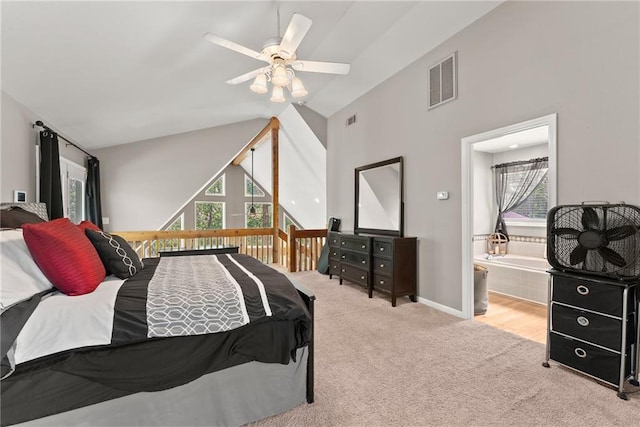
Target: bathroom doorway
point(513, 285)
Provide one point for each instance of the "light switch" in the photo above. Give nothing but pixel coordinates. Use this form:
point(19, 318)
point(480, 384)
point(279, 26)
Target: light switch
point(442, 195)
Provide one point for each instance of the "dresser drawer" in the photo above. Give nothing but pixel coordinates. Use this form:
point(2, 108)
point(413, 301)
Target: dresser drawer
point(334, 253)
point(354, 274)
point(334, 267)
point(334, 239)
point(382, 248)
point(587, 358)
point(589, 294)
point(382, 282)
point(355, 243)
point(355, 258)
point(592, 327)
point(382, 265)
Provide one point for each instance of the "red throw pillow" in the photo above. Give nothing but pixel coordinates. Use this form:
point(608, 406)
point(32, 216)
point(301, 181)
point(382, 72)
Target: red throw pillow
point(88, 225)
point(65, 255)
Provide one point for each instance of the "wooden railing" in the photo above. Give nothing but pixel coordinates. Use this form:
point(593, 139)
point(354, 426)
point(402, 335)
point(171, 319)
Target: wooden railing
point(297, 250)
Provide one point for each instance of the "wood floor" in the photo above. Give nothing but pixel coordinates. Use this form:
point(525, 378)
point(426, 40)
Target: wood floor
point(520, 317)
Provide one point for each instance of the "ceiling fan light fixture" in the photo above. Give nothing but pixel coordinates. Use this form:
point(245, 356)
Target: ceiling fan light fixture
point(297, 88)
point(278, 94)
point(279, 77)
point(259, 85)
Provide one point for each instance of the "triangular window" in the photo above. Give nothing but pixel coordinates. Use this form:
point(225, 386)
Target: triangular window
point(217, 188)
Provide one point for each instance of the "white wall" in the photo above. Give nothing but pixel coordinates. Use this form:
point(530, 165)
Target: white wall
point(17, 149)
point(145, 183)
point(520, 61)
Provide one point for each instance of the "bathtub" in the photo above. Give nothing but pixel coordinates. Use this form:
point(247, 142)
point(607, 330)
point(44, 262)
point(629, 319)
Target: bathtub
point(518, 276)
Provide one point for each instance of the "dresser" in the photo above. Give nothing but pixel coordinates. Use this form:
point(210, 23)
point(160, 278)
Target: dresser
point(382, 263)
point(592, 327)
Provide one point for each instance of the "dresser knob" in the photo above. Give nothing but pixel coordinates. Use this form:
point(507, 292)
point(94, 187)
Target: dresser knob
point(582, 290)
point(343, 270)
point(364, 262)
point(342, 243)
point(381, 249)
point(364, 246)
point(344, 256)
point(580, 353)
point(382, 282)
point(361, 277)
point(582, 321)
point(382, 265)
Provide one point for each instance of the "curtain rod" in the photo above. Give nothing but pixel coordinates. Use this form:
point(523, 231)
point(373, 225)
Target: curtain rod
point(42, 125)
point(521, 162)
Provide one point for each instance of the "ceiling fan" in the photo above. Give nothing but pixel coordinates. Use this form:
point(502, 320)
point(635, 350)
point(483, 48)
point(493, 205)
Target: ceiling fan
point(280, 55)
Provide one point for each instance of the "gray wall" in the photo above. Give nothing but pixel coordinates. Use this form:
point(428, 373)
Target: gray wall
point(521, 61)
point(17, 150)
point(145, 183)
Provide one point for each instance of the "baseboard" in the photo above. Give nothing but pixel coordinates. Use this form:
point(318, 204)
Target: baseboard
point(444, 308)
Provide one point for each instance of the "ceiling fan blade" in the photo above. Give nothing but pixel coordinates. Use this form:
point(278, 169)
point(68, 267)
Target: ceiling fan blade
point(247, 76)
point(578, 255)
point(590, 220)
point(321, 67)
point(234, 46)
point(296, 31)
point(612, 256)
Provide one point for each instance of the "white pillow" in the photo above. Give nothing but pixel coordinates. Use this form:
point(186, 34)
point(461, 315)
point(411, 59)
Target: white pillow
point(20, 276)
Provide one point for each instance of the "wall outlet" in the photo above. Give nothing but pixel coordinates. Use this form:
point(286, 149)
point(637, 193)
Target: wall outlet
point(442, 195)
point(105, 220)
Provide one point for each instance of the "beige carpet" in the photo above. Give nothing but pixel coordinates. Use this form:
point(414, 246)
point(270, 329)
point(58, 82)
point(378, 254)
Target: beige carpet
point(415, 366)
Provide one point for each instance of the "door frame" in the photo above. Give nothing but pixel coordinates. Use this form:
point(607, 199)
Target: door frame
point(467, 192)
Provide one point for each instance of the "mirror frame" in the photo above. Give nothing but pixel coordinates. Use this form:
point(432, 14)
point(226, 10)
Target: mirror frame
point(359, 230)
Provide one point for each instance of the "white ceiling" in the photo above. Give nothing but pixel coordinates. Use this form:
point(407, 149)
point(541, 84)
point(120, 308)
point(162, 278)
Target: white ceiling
point(526, 138)
point(108, 73)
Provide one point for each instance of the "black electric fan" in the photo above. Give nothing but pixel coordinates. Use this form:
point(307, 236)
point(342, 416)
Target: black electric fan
point(602, 239)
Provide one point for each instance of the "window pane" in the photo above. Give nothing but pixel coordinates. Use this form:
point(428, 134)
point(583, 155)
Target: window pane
point(209, 215)
point(76, 200)
point(257, 192)
point(217, 188)
point(533, 207)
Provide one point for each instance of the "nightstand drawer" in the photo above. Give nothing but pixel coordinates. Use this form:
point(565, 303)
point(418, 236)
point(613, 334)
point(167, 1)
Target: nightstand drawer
point(587, 358)
point(595, 328)
point(354, 275)
point(382, 265)
point(578, 292)
point(355, 258)
point(382, 282)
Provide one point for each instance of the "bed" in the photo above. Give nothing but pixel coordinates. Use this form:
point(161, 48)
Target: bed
point(212, 339)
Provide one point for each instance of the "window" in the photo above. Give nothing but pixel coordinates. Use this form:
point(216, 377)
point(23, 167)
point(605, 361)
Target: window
point(263, 217)
point(257, 192)
point(287, 222)
point(217, 188)
point(532, 209)
point(209, 215)
point(178, 224)
point(74, 179)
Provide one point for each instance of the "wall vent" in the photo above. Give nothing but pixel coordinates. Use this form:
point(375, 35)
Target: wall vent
point(351, 120)
point(443, 81)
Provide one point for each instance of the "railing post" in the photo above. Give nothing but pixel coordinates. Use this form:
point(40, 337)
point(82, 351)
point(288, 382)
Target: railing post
point(291, 248)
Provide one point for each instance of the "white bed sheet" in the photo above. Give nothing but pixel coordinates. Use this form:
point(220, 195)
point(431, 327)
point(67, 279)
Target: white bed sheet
point(62, 322)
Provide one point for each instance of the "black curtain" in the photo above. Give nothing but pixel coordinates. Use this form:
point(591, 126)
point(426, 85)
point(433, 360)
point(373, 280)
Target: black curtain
point(50, 183)
point(94, 205)
point(514, 182)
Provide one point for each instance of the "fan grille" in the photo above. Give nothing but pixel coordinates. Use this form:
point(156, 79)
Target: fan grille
point(596, 239)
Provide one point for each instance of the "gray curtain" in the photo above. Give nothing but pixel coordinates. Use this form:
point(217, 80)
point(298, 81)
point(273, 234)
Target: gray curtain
point(514, 182)
point(50, 184)
point(94, 204)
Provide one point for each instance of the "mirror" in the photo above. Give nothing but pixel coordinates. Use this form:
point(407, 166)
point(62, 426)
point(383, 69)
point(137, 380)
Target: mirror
point(378, 198)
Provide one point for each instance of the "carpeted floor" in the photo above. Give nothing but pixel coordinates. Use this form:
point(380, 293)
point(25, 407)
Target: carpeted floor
point(415, 366)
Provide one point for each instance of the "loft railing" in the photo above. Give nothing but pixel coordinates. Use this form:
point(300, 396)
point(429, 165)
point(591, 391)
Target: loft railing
point(297, 250)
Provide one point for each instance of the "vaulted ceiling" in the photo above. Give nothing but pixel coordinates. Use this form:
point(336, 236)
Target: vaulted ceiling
point(108, 73)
